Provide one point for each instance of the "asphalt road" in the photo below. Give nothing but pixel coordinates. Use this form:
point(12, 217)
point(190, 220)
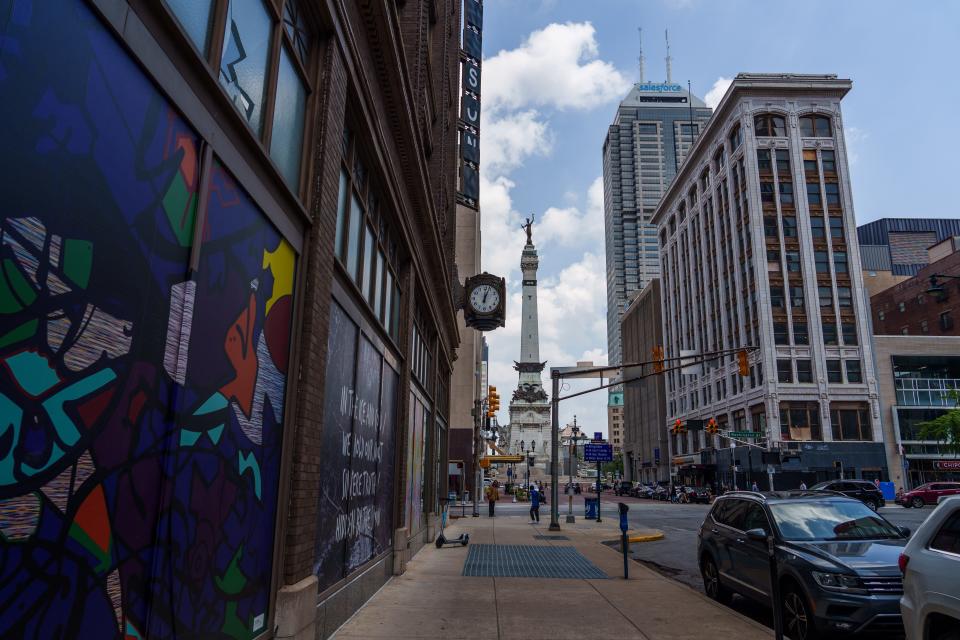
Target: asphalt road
point(676, 555)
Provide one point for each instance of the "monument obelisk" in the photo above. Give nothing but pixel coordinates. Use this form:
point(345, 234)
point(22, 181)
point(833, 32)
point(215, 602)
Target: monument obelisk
point(529, 407)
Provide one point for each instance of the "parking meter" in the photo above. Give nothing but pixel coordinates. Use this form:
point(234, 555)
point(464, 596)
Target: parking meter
point(624, 542)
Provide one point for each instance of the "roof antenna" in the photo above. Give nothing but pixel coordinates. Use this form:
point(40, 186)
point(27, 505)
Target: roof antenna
point(666, 34)
point(642, 60)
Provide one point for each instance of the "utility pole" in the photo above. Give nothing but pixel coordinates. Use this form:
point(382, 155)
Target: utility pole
point(573, 453)
point(554, 454)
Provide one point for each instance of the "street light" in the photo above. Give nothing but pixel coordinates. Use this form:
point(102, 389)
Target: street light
point(575, 436)
point(936, 289)
point(531, 456)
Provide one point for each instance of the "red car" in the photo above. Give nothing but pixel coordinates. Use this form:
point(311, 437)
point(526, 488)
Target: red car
point(929, 493)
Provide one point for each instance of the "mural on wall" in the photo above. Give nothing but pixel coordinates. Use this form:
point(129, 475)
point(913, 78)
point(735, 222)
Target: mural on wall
point(141, 404)
point(355, 513)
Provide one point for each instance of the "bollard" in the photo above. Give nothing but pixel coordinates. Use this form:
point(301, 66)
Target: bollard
point(624, 541)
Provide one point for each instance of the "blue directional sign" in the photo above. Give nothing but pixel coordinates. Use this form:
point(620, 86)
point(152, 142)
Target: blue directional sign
point(597, 452)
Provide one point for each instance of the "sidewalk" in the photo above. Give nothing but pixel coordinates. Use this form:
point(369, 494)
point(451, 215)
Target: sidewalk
point(433, 600)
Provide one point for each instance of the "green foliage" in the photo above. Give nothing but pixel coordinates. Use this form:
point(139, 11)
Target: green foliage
point(615, 465)
point(944, 429)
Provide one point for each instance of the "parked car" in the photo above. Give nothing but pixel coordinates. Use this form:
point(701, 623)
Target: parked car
point(928, 493)
point(624, 488)
point(930, 564)
point(862, 490)
point(836, 560)
point(698, 495)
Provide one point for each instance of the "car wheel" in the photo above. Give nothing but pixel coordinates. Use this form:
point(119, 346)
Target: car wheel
point(797, 621)
point(711, 581)
point(871, 504)
point(917, 503)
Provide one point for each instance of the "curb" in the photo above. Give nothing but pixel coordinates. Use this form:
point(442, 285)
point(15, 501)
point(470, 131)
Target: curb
point(650, 537)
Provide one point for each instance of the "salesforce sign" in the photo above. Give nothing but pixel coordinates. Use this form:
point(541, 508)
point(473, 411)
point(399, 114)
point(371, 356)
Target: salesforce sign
point(661, 88)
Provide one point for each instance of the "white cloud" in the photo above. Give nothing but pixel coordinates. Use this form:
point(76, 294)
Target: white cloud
point(511, 138)
point(556, 66)
point(854, 137)
point(715, 95)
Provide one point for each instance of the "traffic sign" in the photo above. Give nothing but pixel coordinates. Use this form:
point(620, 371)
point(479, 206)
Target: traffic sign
point(743, 434)
point(597, 452)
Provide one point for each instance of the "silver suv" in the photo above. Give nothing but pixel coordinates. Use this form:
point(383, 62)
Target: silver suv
point(836, 560)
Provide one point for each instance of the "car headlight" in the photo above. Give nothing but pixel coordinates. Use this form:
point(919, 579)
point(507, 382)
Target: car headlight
point(839, 582)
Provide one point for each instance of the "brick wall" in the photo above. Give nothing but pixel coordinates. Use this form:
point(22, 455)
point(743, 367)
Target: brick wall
point(918, 306)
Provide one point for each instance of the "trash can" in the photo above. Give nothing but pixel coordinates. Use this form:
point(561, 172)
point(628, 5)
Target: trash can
point(590, 507)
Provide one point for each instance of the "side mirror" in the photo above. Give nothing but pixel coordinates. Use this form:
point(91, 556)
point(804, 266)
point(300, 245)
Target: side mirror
point(904, 531)
point(757, 535)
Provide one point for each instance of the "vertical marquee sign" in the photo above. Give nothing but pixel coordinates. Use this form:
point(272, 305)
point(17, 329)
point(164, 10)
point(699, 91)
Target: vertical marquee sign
point(470, 59)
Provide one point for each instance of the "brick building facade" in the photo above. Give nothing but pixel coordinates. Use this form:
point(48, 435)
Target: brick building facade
point(233, 266)
point(908, 308)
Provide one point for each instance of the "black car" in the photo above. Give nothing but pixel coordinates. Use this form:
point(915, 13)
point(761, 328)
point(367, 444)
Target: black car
point(624, 488)
point(836, 560)
point(862, 490)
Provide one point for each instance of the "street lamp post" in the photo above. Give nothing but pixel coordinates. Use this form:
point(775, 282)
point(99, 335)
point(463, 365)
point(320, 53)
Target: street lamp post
point(575, 432)
point(530, 458)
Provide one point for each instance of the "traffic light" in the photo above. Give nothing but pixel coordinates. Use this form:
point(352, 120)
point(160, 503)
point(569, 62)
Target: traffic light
point(493, 401)
point(658, 360)
point(743, 362)
point(712, 427)
point(678, 428)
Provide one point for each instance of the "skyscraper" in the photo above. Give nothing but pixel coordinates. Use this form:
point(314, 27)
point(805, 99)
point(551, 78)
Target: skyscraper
point(648, 140)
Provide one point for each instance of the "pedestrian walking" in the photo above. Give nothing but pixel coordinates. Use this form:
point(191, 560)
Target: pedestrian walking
point(534, 506)
point(803, 486)
point(876, 482)
point(755, 488)
point(493, 494)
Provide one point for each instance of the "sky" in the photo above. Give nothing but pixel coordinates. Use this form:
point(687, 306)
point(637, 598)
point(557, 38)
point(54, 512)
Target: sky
point(554, 72)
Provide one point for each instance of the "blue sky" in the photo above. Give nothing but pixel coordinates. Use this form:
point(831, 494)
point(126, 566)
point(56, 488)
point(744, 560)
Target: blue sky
point(554, 71)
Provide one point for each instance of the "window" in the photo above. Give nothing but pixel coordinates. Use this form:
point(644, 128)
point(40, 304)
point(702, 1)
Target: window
point(736, 137)
point(849, 330)
point(905, 330)
point(288, 121)
point(784, 371)
point(786, 193)
point(780, 335)
point(800, 335)
point(836, 228)
point(783, 162)
point(924, 326)
point(789, 226)
point(194, 17)
point(813, 194)
point(854, 374)
point(830, 333)
point(766, 192)
point(793, 261)
point(840, 261)
point(777, 300)
point(719, 158)
point(763, 160)
point(850, 422)
point(902, 306)
point(833, 193)
point(822, 261)
point(829, 161)
point(845, 297)
point(825, 294)
point(810, 162)
point(948, 537)
point(770, 227)
point(881, 315)
point(800, 421)
point(769, 125)
point(815, 126)
point(243, 64)
point(946, 321)
point(804, 371)
point(817, 227)
point(796, 296)
point(834, 373)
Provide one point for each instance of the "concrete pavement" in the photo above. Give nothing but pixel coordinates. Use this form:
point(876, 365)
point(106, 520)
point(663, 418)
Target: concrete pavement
point(433, 600)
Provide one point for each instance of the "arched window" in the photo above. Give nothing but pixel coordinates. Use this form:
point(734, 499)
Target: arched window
point(770, 125)
point(736, 137)
point(815, 127)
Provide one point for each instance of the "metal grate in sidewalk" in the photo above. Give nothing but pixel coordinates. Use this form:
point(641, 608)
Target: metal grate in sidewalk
point(550, 538)
point(528, 561)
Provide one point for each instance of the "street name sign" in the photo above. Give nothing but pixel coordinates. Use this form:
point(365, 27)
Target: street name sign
point(597, 452)
point(743, 434)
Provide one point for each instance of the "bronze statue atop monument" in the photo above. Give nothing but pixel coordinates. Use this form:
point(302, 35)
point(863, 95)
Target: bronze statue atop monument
point(528, 227)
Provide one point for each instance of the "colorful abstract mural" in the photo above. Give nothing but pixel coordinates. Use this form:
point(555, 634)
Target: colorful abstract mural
point(141, 402)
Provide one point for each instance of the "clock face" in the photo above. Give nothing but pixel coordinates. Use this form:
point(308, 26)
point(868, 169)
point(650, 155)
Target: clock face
point(484, 298)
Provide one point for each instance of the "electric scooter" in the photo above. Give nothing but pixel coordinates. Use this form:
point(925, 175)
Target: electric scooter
point(463, 539)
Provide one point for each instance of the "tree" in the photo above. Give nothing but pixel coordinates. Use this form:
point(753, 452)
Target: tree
point(944, 429)
point(614, 466)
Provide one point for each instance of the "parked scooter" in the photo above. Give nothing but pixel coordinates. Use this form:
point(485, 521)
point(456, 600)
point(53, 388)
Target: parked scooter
point(462, 540)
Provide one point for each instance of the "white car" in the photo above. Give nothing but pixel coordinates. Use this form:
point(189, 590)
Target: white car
point(931, 589)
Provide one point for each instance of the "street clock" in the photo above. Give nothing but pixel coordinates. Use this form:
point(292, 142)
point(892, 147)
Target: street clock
point(485, 306)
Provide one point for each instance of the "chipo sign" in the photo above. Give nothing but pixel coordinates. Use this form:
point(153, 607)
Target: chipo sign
point(948, 465)
point(470, 58)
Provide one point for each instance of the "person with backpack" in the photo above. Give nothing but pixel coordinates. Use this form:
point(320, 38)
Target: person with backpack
point(534, 505)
